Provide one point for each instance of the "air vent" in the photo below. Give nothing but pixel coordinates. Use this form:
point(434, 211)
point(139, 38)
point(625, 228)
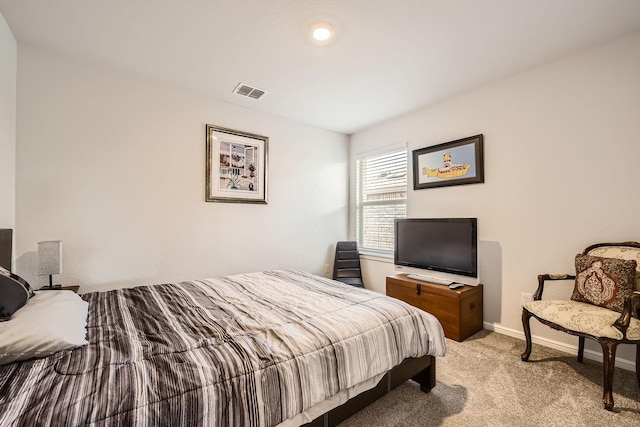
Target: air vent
point(251, 92)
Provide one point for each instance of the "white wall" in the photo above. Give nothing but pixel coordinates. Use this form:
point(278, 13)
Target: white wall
point(114, 165)
point(8, 70)
point(562, 153)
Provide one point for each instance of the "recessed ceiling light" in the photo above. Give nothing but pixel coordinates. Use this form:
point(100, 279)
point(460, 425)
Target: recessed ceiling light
point(322, 32)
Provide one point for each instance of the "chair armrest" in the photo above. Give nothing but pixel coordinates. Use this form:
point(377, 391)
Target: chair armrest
point(622, 324)
point(537, 295)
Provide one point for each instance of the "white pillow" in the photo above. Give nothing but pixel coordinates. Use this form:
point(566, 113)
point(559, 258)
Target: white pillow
point(49, 322)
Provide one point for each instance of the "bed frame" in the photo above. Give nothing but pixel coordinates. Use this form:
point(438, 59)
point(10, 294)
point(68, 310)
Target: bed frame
point(421, 370)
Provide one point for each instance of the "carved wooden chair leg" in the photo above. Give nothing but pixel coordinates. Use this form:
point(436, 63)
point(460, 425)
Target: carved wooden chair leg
point(580, 349)
point(609, 363)
point(526, 316)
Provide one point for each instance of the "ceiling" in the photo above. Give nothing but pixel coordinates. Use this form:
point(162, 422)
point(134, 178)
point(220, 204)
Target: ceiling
point(388, 57)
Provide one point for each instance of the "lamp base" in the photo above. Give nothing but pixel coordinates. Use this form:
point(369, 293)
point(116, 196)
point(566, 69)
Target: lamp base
point(51, 288)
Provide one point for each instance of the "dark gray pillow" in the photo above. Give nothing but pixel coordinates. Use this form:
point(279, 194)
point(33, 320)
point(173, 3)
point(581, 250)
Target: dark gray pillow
point(14, 293)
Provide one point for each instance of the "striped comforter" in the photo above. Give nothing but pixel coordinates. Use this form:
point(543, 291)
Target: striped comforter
point(246, 350)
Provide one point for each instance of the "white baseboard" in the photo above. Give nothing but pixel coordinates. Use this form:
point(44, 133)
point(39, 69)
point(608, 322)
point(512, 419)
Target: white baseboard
point(567, 348)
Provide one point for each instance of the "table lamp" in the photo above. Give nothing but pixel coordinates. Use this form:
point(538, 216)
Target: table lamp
point(50, 261)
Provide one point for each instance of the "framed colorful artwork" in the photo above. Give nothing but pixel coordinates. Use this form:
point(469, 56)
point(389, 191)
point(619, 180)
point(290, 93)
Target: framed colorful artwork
point(236, 169)
point(451, 163)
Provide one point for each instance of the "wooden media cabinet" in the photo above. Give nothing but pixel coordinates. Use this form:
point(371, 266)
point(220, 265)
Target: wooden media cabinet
point(458, 310)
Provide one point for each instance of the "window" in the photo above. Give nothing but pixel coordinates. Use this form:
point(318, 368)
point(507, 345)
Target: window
point(381, 196)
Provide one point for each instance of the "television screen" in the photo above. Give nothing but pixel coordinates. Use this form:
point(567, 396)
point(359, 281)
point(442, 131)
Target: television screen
point(448, 245)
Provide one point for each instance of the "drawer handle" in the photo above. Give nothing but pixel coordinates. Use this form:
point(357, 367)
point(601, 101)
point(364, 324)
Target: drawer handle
point(417, 288)
point(472, 306)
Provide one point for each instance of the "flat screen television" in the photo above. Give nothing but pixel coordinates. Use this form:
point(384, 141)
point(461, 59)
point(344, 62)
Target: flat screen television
point(448, 245)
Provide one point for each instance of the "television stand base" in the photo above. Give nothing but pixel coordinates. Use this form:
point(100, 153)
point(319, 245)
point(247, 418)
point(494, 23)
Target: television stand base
point(429, 279)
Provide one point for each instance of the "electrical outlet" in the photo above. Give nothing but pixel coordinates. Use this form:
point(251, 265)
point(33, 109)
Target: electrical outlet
point(326, 269)
point(525, 298)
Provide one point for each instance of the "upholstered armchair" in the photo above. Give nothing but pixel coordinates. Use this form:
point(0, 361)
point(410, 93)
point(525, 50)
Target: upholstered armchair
point(605, 305)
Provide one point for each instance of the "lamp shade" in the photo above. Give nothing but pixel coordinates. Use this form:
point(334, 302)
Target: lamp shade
point(50, 257)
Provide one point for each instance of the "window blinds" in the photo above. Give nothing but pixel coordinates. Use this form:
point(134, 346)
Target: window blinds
point(381, 196)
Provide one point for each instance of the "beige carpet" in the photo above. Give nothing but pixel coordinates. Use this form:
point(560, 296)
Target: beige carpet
point(483, 382)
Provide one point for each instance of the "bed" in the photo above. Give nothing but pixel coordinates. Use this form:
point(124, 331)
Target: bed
point(274, 348)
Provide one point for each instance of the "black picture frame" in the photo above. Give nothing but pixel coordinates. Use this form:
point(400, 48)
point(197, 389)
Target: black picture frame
point(438, 165)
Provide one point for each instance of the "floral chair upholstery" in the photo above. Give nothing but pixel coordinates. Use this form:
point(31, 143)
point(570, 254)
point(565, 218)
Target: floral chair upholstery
point(607, 267)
